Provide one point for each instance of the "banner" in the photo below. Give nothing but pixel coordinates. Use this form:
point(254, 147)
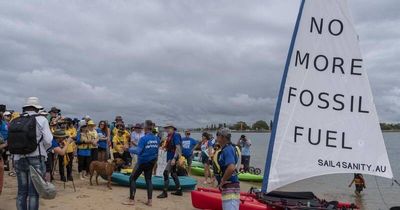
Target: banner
point(325, 120)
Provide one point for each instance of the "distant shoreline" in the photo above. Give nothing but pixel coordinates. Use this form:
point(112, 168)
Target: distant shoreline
point(234, 131)
point(383, 131)
point(390, 131)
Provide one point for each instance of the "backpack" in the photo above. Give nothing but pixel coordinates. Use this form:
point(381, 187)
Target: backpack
point(22, 135)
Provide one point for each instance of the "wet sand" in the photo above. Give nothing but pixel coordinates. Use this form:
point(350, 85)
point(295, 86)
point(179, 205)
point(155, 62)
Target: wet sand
point(99, 197)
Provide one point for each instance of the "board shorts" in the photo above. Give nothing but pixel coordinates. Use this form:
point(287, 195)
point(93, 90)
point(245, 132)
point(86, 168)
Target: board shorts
point(230, 196)
point(189, 159)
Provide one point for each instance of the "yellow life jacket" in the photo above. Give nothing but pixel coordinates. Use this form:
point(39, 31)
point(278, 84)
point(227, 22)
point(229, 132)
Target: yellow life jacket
point(119, 142)
point(217, 167)
point(84, 138)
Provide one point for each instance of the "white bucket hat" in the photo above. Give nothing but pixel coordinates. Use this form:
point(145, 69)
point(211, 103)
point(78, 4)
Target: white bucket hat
point(33, 101)
point(6, 113)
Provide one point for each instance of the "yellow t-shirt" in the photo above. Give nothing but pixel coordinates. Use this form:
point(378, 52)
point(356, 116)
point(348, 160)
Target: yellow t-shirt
point(71, 132)
point(119, 142)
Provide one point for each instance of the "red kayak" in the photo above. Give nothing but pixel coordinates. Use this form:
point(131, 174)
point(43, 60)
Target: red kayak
point(208, 198)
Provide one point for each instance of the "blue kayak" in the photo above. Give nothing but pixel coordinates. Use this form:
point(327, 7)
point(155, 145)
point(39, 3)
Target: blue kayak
point(187, 183)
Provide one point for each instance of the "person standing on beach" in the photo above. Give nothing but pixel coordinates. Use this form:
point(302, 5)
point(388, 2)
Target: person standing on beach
point(136, 135)
point(95, 139)
point(28, 197)
point(205, 156)
point(174, 149)
point(4, 124)
point(188, 146)
point(70, 130)
point(3, 145)
point(147, 152)
point(84, 143)
point(244, 143)
point(104, 140)
point(227, 160)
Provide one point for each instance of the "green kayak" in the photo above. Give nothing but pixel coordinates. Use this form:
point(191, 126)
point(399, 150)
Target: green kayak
point(187, 183)
point(197, 164)
point(198, 171)
point(242, 176)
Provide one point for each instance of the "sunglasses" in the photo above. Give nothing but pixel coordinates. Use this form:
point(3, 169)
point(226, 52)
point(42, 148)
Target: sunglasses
point(187, 133)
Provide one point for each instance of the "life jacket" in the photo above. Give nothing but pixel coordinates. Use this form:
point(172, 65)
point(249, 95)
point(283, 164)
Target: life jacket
point(217, 154)
point(170, 144)
point(83, 145)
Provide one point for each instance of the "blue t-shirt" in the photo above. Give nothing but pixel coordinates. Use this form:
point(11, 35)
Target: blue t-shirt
point(147, 149)
point(54, 144)
point(4, 130)
point(187, 146)
point(176, 140)
point(245, 145)
point(227, 157)
point(102, 143)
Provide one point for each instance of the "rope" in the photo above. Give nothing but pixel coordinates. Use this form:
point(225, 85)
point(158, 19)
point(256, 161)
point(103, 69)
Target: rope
point(395, 181)
point(380, 193)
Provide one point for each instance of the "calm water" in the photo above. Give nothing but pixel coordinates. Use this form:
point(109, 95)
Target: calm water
point(335, 187)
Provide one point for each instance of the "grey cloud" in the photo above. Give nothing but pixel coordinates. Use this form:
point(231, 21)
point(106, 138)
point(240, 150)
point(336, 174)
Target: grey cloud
point(184, 62)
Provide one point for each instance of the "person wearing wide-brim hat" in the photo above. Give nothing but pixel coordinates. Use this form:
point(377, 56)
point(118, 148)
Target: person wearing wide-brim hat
point(83, 142)
point(174, 150)
point(169, 125)
point(54, 115)
point(27, 196)
point(60, 145)
point(95, 138)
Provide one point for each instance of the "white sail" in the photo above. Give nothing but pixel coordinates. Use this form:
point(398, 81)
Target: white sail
point(326, 117)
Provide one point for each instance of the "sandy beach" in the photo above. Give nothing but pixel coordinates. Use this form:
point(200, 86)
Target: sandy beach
point(98, 197)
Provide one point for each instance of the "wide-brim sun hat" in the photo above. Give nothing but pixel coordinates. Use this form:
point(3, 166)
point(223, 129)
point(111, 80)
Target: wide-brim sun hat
point(33, 102)
point(54, 110)
point(170, 125)
point(7, 113)
point(90, 122)
point(59, 133)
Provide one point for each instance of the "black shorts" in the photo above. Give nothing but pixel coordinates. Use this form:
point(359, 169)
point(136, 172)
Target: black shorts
point(359, 187)
point(102, 149)
point(205, 159)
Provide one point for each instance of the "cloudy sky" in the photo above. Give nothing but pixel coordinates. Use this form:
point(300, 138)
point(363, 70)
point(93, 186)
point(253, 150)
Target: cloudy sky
point(185, 62)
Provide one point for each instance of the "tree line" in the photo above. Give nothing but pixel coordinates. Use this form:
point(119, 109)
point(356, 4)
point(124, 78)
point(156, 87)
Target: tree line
point(259, 125)
point(390, 126)
point(262, 126)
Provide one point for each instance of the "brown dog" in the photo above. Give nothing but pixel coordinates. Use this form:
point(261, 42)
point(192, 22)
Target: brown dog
point(104, 169)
